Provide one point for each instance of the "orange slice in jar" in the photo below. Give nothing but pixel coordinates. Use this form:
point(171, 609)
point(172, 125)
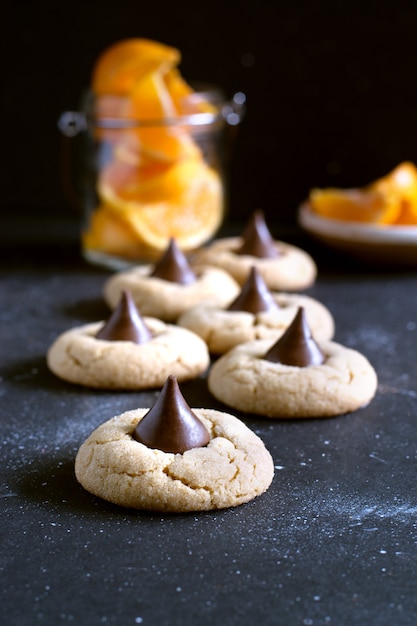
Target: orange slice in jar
point(126, 181)
point(107, 112)
point(122, 64)
point(186, 100)
point(150, 103)
point(107, 232)
point(178, 88)
point(150, 99)
point(185, 202)
point(157, 185)
point(127, 149)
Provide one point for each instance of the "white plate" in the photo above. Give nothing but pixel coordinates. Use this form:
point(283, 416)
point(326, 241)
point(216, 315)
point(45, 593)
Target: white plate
point(377, 243)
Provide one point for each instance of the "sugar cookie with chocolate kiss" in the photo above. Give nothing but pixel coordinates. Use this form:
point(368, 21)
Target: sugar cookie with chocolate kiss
point(174, 458)
point(283, 266)
point(128, 351)
point(295, 376)
point(256, 313)
point(171, 286)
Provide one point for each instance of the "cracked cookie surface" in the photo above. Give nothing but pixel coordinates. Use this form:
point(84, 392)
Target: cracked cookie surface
point(232, 469)
point(222, 330)
point(167, 300)
point(77, 356)
point(242, 379)
point(293, 270)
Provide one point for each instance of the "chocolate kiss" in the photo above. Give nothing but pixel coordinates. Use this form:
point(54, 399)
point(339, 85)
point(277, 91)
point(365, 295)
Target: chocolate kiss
point(125, 323)
point(170, 425)
point(296, 346)
point(173, 266)
point(257, 240)
point(254, 296)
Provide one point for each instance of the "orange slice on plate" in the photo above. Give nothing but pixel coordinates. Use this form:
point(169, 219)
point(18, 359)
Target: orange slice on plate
point(354, 205)
point(402, 184)
point(390, 200)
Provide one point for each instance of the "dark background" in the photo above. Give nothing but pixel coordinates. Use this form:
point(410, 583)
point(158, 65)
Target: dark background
point(330, 86)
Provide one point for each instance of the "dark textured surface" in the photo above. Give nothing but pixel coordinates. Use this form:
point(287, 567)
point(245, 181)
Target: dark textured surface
point(333, 541)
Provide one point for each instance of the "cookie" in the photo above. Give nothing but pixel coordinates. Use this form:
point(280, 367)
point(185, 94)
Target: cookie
point(232, 468)
point(253, 378)
point(222, 329)
point(170, 287)
point(78, 356)
point(283, 266)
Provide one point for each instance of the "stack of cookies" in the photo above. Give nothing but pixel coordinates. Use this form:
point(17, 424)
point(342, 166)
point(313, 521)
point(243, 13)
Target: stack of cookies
point(233, 311)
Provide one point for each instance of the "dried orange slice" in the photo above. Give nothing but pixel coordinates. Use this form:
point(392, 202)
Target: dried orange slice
point(401, 183)
point(129, 148)
point(402, 179)
point(185, 99)
point(125, 181)
point(187, 204)
point(354, 205)
point(121, 65)
point(107, 232)
point(157, 184)
point(178, 88)
point(391, 199)
point(150, 101)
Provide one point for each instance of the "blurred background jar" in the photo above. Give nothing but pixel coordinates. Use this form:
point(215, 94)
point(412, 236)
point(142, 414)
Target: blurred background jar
point(143, 179)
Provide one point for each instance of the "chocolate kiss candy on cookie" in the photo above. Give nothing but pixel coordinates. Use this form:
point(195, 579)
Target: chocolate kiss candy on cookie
point(125, 323)
point(170, 425)
point(173, 266)
point(254, 296)
point(257, 240)
point(296, 346)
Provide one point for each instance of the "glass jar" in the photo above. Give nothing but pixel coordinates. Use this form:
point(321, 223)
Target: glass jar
point(145, 181)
